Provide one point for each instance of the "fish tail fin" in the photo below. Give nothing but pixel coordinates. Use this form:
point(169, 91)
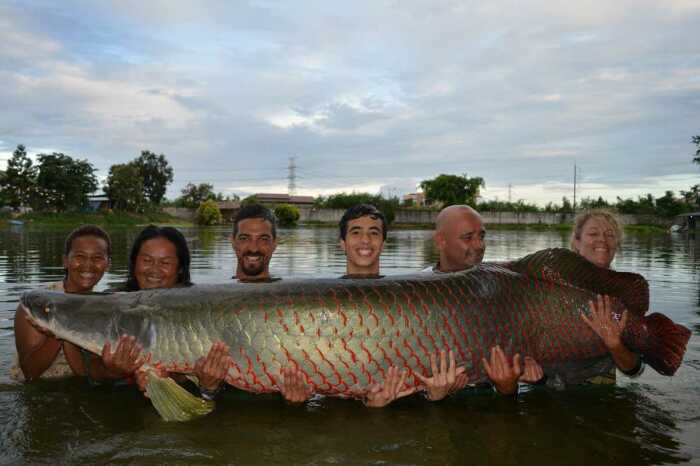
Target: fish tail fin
point(663, 344)
point(173, 402)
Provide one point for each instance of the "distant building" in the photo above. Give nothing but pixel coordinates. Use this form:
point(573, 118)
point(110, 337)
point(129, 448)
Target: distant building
point(417, 198)
point(98, 202)
point(228, 209)
point(274, 199)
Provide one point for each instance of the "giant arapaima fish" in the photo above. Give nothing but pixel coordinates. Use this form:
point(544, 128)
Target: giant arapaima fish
point(345, 334)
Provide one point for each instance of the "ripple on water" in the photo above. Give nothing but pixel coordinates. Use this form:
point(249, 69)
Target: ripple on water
point(650, 420)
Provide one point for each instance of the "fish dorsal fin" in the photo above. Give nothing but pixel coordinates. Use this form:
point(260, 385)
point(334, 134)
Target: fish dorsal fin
point(569, 268)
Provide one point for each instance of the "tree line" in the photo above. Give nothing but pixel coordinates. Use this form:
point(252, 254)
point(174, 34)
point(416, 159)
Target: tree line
point(445, 190)
point(58, 182)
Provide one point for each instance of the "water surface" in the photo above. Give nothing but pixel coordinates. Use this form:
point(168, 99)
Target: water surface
point(649, 420)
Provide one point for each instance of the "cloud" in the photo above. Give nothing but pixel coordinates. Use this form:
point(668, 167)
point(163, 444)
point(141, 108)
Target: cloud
point(366, 96)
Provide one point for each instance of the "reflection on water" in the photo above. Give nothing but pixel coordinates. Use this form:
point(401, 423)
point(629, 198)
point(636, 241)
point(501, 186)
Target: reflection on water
point(650, 420)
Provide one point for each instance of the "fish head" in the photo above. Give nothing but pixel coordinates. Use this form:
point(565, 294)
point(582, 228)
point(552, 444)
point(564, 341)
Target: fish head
point(71, 317)
point(38, 306)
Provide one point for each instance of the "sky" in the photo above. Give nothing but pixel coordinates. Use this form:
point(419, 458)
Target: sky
point(366, 96)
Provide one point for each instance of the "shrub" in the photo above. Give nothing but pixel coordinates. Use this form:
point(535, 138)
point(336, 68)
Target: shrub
point(287, 215)
point(208, 213)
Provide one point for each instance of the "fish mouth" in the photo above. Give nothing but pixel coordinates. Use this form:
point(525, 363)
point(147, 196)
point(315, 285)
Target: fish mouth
point(38, 311)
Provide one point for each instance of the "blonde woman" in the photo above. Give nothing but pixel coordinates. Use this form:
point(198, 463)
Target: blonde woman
point(596, 236)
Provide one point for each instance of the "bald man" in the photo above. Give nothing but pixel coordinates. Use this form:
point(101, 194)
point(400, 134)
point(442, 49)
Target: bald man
point(459, 236)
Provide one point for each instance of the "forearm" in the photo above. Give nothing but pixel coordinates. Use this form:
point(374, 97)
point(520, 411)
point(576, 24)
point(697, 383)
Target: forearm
point(99, 372)
point(624, 359)
point(36, 359)
point(506, 389)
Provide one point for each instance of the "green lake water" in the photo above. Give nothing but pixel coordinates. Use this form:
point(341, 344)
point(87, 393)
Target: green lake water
point(648, 420)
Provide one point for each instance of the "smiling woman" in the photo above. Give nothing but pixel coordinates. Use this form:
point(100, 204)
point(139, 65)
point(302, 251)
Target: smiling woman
point(596, 236)
point(159, 258)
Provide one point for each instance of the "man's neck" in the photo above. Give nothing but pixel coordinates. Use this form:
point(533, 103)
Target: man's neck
point(353, 271)
point(262, 277)
point(362, 275)
point(440, 268)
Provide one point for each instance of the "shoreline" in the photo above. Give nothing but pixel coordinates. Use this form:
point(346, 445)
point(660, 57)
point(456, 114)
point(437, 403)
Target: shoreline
point(112, 219)
point(125, 219)
point(563, 227)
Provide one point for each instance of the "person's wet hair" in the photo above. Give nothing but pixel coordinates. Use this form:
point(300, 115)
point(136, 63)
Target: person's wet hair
point(361, 210)
point(183, 254)
point(255, 211)
point(86, 230)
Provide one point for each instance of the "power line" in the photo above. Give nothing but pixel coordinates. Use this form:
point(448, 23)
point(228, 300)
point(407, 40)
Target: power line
point(292, 177)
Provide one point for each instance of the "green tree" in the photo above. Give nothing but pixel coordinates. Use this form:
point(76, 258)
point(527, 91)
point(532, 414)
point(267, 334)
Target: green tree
point(344, 201)
point(590, 203)
point(287, 215)
point(644, 205)
point(156, 173)
point(208, 213)
point(3, 198)
point(669, 205)
point(504, 206)
point(566, 205)
point(692, 197)
point(63, 183)
point(124, 186)
point(249, 200)
point(452, 189)
point(696, 141)
point(19, 182)
point(194, 194)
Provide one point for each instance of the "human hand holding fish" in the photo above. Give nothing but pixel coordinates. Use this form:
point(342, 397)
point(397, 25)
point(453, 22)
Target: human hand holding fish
point(380, 395)
point(603, 322)
point(354, 334)
point(503, 375)
point(212, 369)
point(610, 327)
point(532, 372)
point(125, 359)
point(294, 388)
point(444, 380)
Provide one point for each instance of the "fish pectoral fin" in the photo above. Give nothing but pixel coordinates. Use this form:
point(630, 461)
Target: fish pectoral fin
point(173, 402)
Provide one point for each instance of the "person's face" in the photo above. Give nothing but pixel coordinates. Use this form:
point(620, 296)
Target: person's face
point(362, 245)
point(157, 264)
point(598, 242)
point(86, 263)
point(254, 246)
point(461, 242)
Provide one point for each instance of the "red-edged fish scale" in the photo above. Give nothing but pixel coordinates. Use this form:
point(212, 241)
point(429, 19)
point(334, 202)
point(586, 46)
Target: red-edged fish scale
point(345, 334)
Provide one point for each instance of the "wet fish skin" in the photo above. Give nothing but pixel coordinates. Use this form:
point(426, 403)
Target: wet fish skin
point(345, 334)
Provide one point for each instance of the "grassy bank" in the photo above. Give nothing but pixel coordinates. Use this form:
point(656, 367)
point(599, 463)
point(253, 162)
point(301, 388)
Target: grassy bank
point(110, 219)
